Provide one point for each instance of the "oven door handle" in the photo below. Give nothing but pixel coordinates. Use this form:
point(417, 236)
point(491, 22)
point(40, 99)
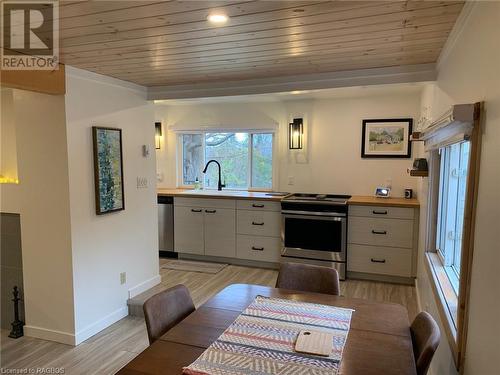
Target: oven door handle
point(317, 218)
point(313, 215)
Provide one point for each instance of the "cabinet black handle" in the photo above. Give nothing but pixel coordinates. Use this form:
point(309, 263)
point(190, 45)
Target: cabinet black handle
point(379, 231)
point(210, 211)
point(193, 210)
point(377, 260)
point(257, 248)
point(254, 223)
point(379, 212)
point(258, 205)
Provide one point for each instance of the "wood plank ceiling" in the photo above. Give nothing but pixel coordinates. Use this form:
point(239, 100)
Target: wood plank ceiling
point(171, 42)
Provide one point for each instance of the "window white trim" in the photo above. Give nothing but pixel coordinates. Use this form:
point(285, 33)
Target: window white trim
point(461, 123)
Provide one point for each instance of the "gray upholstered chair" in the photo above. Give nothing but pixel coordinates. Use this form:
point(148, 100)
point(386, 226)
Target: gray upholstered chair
point(308, 278)
point(425, 336)
point(165, 309)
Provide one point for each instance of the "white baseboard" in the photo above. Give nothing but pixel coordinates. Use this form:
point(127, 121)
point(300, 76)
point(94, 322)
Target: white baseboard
point(101, 324)
point(417, 292)
point(49, 334)
point(145, 285)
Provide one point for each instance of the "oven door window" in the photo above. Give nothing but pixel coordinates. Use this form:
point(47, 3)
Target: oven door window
point(313, 233)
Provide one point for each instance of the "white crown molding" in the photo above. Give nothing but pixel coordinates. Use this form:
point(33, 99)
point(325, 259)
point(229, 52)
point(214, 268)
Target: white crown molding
point(455, 33)
point(360, 77)
point(102, 79)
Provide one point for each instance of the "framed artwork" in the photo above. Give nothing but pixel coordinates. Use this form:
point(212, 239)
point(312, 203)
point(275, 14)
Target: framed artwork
point(108, 170)
point(386, 138)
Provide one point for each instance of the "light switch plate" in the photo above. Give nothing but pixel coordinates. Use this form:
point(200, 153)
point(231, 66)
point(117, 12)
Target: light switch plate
point(123, 278)
point(291, 180)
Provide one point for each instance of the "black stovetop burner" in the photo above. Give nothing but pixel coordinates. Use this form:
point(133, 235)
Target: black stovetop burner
point(317, 198)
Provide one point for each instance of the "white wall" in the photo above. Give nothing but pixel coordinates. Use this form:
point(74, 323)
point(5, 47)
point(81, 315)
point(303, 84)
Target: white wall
point(42, 199)
point(8, 152)
point(333, 160)
point(125, 241)
point(469, 74)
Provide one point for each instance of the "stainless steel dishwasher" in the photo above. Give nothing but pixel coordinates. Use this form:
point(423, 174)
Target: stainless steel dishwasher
point(166, 226)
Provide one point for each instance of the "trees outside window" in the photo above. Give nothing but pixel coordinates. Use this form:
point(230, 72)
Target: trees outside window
point(246, 159)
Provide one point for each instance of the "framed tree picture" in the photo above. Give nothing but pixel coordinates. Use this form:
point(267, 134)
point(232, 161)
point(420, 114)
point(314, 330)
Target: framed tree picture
point(387, 138)
point(108, 170)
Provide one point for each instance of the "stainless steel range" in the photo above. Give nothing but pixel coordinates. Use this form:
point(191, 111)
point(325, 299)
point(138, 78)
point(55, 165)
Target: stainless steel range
point(314, 229)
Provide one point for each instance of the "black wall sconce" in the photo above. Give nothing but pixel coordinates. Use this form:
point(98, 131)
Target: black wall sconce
point(158, 135)
point(296, 134)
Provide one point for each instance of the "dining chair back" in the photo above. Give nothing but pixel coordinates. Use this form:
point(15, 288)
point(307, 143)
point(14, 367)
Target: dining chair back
point(425, 336)
point(308, 278)
point(165, 309)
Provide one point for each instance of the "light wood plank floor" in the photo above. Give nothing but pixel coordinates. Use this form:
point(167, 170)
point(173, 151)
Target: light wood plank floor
point(111, 349)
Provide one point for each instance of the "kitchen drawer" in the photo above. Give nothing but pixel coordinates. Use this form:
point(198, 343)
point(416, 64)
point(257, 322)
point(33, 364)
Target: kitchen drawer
point(264, 249)
point(382, 212)
point(379, 260)
point(259, 223)
point(258, 205)
point(205, 202)
point(380, 232)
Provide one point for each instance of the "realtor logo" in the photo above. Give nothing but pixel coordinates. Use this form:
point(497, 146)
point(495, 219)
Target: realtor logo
point(30, 35)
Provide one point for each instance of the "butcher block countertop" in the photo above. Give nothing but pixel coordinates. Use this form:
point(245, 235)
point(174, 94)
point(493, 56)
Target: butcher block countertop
point(224, 194)
point(358, 200)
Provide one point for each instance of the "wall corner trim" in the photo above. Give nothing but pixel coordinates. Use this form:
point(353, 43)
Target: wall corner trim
point(145, 285)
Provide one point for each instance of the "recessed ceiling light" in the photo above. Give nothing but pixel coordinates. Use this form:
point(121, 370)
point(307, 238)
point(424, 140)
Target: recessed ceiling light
point(217, 18)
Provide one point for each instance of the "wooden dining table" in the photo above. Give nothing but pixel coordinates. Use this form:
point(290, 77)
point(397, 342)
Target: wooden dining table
point(379, 340)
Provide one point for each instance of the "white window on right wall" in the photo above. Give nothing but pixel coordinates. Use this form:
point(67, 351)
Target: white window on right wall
point(453, 145)
point(451, 207)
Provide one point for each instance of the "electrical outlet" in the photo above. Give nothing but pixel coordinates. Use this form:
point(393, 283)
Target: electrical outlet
point(123, 278)
point(142, 182)
point(291, 180)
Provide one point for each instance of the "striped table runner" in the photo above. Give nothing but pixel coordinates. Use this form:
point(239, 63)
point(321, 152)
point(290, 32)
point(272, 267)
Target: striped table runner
point(262, 340)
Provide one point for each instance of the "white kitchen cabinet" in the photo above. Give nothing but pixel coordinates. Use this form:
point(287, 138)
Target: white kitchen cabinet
point(205, 227)
point(263, 249)
point(381, 232)
point(228, 228)
point(189, 230)
point(382, 242)
point(253, 205)
point(259, 223)
point(220, 232)
point(380, 260)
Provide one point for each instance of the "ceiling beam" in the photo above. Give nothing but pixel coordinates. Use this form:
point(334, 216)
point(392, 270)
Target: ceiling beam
point(360, 77)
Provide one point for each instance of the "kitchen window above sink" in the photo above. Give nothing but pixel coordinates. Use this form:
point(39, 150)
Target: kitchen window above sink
point(246, 159)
